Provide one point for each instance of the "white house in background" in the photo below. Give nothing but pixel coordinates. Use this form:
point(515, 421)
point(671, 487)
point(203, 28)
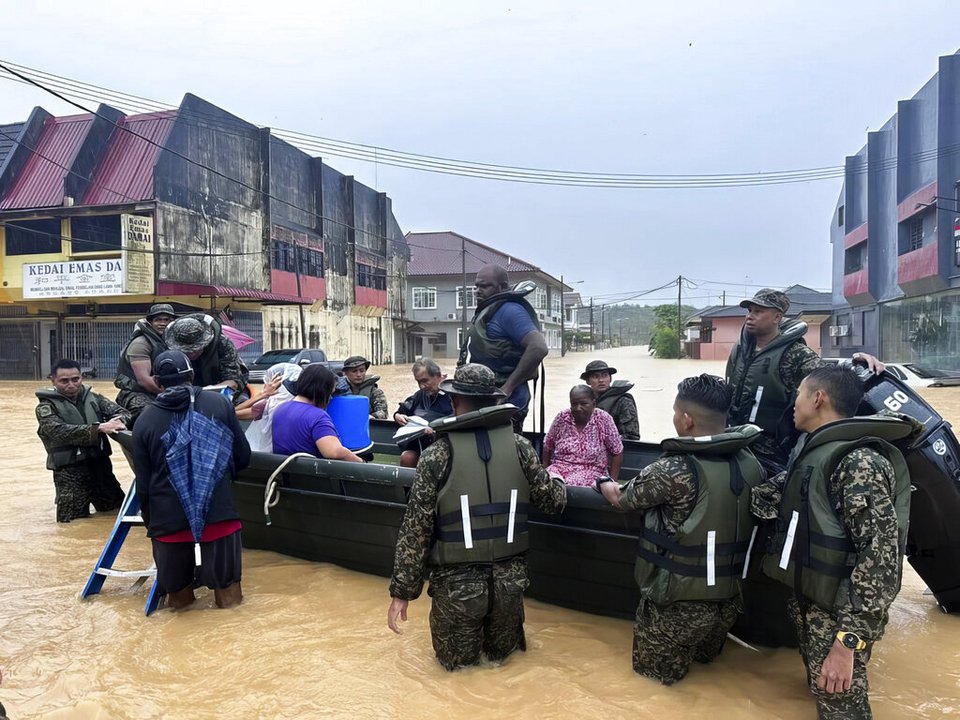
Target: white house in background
point(435, 314)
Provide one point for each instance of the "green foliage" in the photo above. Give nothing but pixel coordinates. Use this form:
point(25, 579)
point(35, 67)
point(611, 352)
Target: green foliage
point(664, 344)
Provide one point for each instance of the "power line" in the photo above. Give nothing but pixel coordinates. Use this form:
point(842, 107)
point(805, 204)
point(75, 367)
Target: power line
point(437, 164)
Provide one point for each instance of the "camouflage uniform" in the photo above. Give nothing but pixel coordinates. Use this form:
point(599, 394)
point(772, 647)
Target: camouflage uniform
point(378, 404)
point(861, 489)
point(667, 639)
point(88, 481)
point(477, 608)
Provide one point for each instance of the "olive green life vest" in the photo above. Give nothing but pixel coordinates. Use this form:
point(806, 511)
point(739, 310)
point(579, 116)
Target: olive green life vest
point(367, 386)
point(618, 389)
point(500, 355)
point(759, 395)
point(83, 412)
point(126, 379)
point(811, 551)
point(705, 559)
point(482, 507)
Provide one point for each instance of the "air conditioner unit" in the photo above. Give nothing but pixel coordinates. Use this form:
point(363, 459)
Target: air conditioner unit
point(839, 330)
point(453, 316)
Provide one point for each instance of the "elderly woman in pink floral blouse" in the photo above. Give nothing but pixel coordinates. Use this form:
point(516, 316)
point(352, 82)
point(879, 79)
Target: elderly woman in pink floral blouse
point(583, 443)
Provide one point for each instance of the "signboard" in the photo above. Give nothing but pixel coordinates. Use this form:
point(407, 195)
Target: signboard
point(73, 278)
point(136, 236)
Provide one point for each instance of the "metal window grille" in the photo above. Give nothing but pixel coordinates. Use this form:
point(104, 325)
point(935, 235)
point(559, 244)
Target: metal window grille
point(916, 233)
point(251, 323)
point(96, 344)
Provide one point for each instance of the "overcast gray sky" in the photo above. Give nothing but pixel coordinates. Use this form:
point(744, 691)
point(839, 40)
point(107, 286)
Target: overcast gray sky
point(617, 87)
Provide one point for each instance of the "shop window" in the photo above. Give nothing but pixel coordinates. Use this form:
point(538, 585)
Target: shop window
point(97, 233)
point(33, 237)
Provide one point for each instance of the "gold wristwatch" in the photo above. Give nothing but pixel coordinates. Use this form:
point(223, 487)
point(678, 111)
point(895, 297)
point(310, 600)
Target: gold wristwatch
point(851, 640)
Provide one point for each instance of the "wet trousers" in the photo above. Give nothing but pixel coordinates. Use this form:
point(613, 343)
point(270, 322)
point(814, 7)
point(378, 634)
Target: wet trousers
point(816, 630)
point(90, 481)
point(666, 639)
point(477, 609)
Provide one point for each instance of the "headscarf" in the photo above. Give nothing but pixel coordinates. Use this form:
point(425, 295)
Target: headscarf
point(260, 432)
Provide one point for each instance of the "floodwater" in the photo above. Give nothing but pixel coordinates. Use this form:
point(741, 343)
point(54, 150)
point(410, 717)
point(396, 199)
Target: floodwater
point(310, 640)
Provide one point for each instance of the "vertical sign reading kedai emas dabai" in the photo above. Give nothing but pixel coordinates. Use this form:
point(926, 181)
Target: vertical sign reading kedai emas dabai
point(137, 243)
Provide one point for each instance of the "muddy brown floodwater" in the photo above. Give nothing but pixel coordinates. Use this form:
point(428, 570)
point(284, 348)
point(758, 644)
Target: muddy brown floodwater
point(310, 640)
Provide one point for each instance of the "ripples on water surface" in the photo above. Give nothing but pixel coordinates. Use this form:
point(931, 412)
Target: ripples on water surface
point(310, 640)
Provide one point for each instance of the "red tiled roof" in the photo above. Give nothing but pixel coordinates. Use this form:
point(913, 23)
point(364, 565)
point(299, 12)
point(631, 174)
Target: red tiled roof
point(125, 174)
point(40, 182)
point(439, 254)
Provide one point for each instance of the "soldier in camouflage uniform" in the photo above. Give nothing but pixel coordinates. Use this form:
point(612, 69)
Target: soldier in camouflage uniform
point(212, 354)
point(359, 383)
point(765, 369)
point(73, 424)
point(135, 368)
point(695, 497)
point(841, 512)
point(476, 563)
point(613, 397)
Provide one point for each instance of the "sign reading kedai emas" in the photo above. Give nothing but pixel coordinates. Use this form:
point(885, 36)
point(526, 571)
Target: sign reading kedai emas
point(74, 278)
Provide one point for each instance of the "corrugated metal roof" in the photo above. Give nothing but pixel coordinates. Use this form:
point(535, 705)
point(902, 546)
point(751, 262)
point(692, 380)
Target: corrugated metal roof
point(40, 183)
point(168, 288)
point(125, 174)
point(439, 254)
point(8, 139)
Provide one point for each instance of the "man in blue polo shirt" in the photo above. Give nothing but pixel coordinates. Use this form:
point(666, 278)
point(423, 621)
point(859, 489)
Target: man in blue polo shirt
point(505, 336)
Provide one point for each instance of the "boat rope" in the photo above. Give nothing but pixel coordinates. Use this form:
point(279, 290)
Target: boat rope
point(271, 495)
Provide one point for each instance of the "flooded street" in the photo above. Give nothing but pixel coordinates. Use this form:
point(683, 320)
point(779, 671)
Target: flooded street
point(310, 640)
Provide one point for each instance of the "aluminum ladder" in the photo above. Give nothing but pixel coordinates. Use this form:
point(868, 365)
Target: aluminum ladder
point(128, 516)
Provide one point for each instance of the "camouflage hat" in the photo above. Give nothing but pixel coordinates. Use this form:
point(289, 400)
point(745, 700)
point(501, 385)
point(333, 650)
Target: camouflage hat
point(473, 379)
point(161, 309)
point(355, 361)
point(768, 298)
point(597, 366)
point(188, 335)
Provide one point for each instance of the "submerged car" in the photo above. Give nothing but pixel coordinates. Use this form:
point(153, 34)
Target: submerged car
point(916, 375)
point(298, 356)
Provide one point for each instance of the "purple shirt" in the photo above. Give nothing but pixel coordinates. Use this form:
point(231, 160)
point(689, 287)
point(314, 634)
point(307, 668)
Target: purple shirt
point(298, 425)
point(580, 456)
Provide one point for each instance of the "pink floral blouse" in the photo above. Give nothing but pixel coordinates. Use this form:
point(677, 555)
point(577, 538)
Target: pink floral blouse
point(580, 456)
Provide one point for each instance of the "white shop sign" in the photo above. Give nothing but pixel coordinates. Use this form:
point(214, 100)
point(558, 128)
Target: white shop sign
point(73, 278)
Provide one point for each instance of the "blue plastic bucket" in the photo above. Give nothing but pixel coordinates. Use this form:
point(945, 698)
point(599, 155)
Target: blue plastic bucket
point(351, 416)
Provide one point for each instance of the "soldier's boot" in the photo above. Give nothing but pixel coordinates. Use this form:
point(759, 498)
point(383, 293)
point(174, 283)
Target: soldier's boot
point(229, 596)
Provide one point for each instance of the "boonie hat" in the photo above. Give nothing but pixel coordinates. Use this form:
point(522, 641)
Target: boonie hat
point(188, 335)
point(473, 379)
point(161, 309)
point(768, 298)
point(355, 361)
point(170, 366)
point(597, 366)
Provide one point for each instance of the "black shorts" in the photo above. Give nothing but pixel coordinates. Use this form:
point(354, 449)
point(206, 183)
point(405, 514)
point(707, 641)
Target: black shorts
point(177, 569)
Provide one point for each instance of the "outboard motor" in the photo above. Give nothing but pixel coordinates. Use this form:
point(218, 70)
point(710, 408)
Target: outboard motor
point(933, 538)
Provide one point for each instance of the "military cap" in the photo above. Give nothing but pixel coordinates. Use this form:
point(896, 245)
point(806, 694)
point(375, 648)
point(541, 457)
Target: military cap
point(473, 379)
point(355, 361)
point(161, 309)
point(768, 298)
point(188, 335)
point(597, 366)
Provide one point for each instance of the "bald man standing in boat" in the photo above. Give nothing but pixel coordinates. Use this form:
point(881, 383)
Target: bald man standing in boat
point(466, 526)
point(505, 336)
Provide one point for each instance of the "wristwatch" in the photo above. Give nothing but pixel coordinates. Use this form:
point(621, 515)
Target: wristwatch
point(603, 479)
point(851, 640)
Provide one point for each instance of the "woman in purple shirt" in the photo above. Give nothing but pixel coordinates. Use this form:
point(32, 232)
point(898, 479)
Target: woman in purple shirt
point(303, 425)
point(583, 443)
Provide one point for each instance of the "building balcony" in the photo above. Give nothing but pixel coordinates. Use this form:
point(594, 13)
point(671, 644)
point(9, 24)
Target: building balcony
point(918, 271)
point(856, 288)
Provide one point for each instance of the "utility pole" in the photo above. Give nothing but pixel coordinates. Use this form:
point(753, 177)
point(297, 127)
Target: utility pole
point(563, 323)
point(296, 267)
point(724, 301)
point(679, 321)
point(463, 309)
point(591, 324)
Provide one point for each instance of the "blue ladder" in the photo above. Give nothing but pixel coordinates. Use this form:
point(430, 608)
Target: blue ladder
point(129, 515)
